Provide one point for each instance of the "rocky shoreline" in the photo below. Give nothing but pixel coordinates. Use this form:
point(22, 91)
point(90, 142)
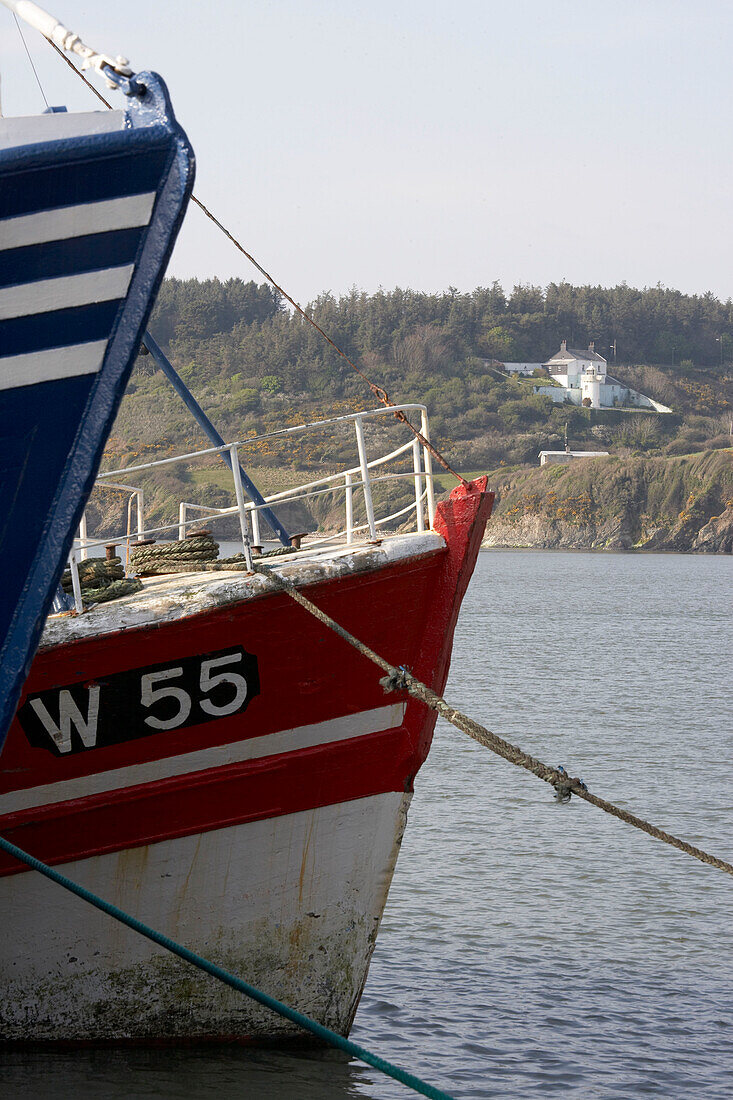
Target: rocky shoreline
point(535, 533)
point(683, 505)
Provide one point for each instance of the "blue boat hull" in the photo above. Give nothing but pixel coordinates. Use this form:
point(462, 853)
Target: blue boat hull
point(87, 224)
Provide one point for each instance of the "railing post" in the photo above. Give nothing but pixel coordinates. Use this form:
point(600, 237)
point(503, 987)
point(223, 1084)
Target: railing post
point(428, 459)
point(418, 484)
point(348, 482)
point(128, 534)
point(255, 517)
point(241, 505)
point(76, 583)
point(83, 552)
point(140, 514)
point(365, 478)
point(181, 521)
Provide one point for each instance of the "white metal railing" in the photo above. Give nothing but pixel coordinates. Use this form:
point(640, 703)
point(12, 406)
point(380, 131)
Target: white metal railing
point(137, 495)
point(358, 478)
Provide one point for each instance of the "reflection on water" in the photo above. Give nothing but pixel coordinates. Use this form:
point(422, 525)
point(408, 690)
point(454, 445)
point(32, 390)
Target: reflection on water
point(532, 949)
point(224, 1072)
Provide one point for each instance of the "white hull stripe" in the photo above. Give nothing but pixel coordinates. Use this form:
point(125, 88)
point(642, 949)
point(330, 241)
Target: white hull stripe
point(76, 221)
point(51, 364)
point(255, 748)
point(65, 292)
point(31, 129)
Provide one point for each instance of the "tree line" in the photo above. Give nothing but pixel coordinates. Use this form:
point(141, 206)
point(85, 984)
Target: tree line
point(255, 365)
point(244, 328)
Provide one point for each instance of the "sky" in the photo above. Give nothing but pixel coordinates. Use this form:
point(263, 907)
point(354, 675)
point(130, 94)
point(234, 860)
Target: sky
point(428, 145)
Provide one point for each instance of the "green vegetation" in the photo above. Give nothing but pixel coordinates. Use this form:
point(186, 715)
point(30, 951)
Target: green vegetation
point(620, 503)
point(413, 330)
point(256, 367)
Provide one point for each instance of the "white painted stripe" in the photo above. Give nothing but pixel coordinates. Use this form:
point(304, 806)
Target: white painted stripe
point(67, 291)
point(76, 221)
point(53, 363)
point(31, 129)
point(255, 748)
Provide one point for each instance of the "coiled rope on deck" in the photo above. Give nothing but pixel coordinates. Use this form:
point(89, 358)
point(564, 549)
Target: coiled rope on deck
point(185, 556)
point(208, 967)
point(101, 579)
point(198, 552)
point(401, 679)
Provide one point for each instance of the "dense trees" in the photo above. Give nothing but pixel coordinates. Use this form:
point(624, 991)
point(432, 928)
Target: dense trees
point(410, 332)
point(255, 364)
point(189, 309)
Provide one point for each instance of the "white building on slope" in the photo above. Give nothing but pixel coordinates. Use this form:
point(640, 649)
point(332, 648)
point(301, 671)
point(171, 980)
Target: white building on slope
point(581, 378)
point(563, 457)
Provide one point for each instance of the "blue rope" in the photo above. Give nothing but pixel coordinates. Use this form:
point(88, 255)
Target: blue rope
point(215, 971)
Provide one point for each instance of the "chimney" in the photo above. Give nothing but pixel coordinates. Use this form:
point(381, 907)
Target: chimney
point(563, 345)
point(592, 346)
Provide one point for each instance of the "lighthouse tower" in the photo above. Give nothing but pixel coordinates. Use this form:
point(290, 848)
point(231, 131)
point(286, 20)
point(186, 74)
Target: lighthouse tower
point(590, 385)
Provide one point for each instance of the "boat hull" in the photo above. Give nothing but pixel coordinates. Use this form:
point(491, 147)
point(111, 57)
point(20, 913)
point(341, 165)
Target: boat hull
point(263, 834)
point(292, 903)
point(90, 206)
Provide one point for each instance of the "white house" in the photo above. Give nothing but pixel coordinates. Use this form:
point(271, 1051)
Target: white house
point(581, 377)
point(568, 364)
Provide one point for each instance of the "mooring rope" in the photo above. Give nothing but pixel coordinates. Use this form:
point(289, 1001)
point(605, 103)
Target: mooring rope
point(181, 557)
point(197, 553)
point(184, 556)
point(208, 967)
point(401, 679)
point(101, 580)
point(379, 392)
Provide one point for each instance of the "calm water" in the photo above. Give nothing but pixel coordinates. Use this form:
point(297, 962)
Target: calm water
point(531, 949)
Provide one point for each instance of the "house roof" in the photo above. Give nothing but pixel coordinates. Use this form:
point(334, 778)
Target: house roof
point(569, 354)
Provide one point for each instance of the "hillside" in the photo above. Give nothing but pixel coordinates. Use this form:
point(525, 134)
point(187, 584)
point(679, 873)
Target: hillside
point(683, 503)
point(255, 367)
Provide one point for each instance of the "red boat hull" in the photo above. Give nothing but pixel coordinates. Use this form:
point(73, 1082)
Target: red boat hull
point(318, 733)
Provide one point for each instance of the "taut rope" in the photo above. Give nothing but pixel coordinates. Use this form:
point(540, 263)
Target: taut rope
point(199, 552)
point(379, 392)
point(401, 679)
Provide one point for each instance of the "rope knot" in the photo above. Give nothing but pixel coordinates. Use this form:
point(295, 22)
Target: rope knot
point(565, 786)
point(397, 680)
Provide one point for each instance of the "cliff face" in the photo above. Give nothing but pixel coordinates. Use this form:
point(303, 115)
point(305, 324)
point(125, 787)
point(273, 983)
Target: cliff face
point(683, 503)
point(716, 537)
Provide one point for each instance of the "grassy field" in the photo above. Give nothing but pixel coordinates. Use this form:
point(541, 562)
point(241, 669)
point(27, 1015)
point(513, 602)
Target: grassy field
point(268, 479)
